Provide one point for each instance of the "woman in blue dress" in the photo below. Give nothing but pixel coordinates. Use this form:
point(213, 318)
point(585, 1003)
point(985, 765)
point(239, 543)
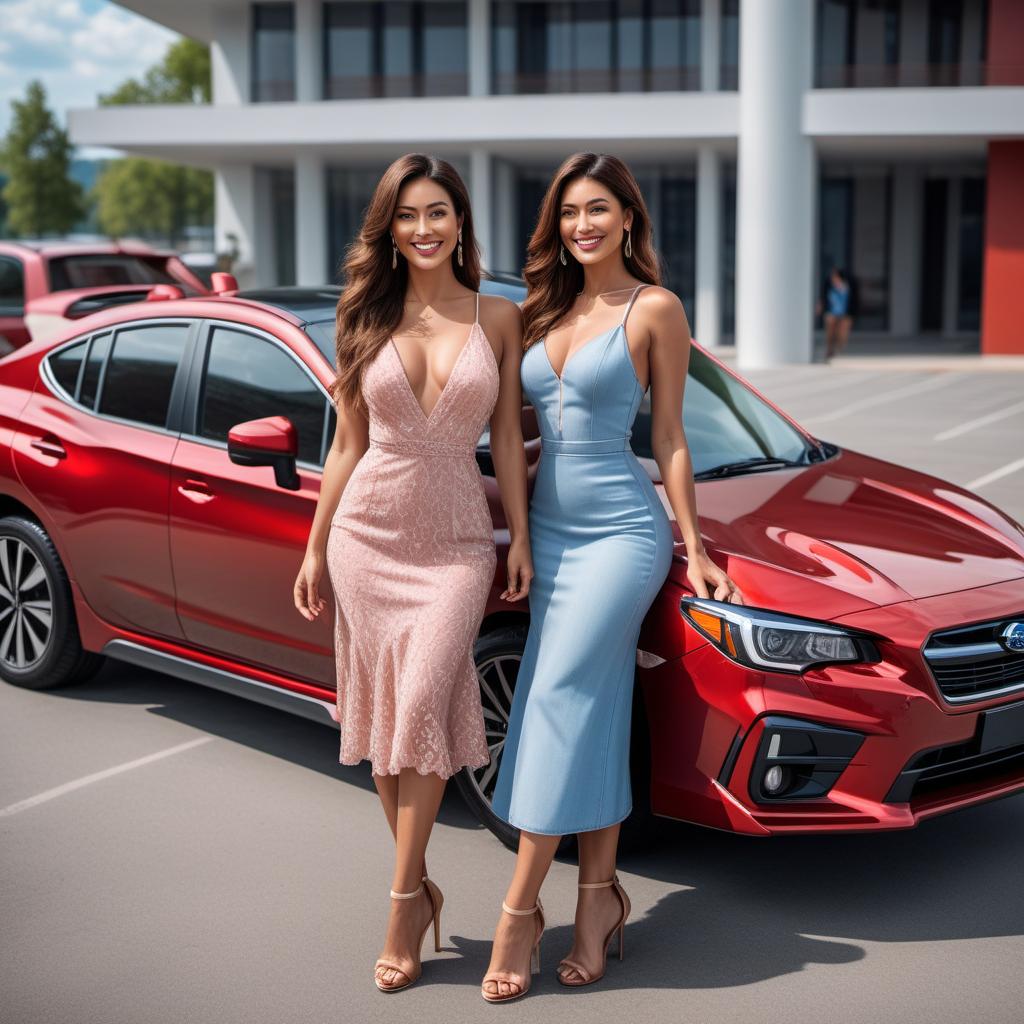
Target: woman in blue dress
point(599, 331)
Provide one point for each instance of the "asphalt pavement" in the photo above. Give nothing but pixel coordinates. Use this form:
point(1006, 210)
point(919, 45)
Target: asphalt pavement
point(172, 854)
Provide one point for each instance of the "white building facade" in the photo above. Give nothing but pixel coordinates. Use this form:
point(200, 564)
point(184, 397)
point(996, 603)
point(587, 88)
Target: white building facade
point(772, 138)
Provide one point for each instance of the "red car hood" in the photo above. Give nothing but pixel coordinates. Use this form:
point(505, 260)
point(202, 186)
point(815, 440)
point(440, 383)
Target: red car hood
point(852, 533)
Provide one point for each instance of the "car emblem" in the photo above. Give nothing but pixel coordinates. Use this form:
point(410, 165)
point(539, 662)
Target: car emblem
point(1013, 637)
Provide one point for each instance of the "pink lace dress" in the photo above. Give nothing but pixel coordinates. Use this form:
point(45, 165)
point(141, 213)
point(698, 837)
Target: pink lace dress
point(411, 559)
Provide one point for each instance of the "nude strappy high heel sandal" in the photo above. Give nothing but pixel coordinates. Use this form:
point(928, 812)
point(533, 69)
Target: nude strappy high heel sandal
point(537, 909)
point(436, 902)
point(585, 976)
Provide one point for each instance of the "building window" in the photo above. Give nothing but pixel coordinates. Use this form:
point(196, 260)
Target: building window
point(395, 48)
point(553, 46)
point(282, 205)
point(729, 58)
point(349, 191)
point(273, 53)
point(727, 271)
point(972, 253)
point(858, 43)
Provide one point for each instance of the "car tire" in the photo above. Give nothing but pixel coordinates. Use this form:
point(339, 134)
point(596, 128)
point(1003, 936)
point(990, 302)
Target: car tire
point(497, 655)
point(40, 648)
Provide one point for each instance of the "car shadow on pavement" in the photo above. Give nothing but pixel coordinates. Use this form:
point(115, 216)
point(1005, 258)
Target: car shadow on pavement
point(269, 730)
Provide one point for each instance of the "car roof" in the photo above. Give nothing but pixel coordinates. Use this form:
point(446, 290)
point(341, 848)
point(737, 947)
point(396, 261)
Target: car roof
point(59, 247)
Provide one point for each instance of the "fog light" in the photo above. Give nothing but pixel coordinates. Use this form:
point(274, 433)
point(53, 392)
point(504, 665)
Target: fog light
point(774, 779)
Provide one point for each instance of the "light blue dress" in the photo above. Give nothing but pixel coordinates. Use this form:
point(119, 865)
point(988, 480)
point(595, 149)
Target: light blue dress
point(602, 547)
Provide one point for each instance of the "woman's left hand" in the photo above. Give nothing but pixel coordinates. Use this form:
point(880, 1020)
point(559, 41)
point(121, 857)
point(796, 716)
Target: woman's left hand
point(520, 571)
point(708, 580)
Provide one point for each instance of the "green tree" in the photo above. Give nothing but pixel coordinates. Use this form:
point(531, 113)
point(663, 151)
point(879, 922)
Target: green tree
point(146, 197)
point(41, 198)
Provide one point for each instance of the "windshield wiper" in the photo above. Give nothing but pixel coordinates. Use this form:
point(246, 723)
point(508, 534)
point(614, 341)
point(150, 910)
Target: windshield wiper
point(747, 466)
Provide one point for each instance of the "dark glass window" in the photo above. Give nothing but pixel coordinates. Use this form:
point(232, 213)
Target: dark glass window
point(395, 48)
point(12, 286)
point(140, 372)
point(349, 191)
point(247, 378)
point(972, 242)
point(65, 366)
point(93, 367)
point(729, 67)
point(595, 45)
point(858, 43)
point(933, 253)
point(273, 52)
point(944, 33)
point(728, 271)
point(94, 270)
point(282, 206)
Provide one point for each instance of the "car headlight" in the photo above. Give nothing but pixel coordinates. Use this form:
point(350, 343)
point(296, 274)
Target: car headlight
point(768, 640)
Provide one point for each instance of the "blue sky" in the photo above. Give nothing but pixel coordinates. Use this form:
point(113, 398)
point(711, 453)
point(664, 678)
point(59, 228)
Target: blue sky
point(77, 48)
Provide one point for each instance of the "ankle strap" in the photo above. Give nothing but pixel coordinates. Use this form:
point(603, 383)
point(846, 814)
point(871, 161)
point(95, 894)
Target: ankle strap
point(407, 895)
point(598, 885)
point(518, 913)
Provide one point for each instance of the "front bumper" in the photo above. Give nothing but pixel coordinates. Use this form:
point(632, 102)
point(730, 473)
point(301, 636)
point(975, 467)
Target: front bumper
point(920, 756)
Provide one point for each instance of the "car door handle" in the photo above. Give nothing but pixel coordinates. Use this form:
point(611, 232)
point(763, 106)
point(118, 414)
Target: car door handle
point(196, 490)
point(50, 445)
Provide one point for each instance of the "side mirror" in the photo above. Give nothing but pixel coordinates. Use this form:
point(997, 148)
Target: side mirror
point(271, 441)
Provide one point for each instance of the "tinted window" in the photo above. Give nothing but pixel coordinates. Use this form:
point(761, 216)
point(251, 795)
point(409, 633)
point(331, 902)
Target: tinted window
point(248, 378)
point(12, 285)
point(323, 335)
point(93, 365)
point(140, 373)
point(273, 52)
point(65, 364)
point(94, 270)
point(724, 421)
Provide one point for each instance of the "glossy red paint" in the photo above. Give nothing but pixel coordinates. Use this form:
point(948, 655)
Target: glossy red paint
point(271, 434)
point(172, 546)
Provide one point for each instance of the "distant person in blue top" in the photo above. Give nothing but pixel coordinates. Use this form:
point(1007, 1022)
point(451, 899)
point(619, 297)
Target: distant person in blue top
point(837, 305)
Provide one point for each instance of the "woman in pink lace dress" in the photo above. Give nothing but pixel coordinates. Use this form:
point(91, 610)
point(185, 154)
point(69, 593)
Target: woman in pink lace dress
point(402, 523)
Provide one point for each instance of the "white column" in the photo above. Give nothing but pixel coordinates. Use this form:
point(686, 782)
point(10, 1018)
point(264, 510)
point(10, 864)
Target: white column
point(480, 189)
point(229, 55)
point(308, 51)
point(708, 320)
point(775, 186)
point(905, 251)
point(234, 220)
point(951, 283)
point(310, 220)
point(710, 44)
point(479, 23)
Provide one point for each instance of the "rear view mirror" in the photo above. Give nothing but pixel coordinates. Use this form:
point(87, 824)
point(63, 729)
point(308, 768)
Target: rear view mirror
point(271, 441)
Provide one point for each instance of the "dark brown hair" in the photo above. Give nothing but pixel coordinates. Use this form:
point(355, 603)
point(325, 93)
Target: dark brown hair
point(552, 287)
point(373, 296)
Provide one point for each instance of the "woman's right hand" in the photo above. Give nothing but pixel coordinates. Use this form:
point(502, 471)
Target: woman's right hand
point(306, 592)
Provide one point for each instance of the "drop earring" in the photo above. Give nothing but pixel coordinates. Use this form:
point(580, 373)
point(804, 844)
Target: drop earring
point(629, 244)
point(561, 256)
point(460, 247)
point(394, 253)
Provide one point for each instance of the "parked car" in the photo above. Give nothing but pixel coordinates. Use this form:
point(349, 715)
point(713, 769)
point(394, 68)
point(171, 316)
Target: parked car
point(31, 270)
point(159, 466)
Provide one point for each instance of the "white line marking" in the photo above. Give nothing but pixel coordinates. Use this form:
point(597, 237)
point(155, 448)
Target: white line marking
point(981, 421)
point(929, 384)
point(996, 474)
point(85, 780)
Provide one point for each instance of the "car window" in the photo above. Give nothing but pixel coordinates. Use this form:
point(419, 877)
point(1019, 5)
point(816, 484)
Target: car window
point(93, 365)
point(248, 378)
point(12, 286)
point(65, 366)
point(91, 270)
point(140, 371)
point(322, 334)
point(724, 421)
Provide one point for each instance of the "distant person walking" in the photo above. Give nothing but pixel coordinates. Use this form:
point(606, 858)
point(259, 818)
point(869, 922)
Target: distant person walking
point(837, 304)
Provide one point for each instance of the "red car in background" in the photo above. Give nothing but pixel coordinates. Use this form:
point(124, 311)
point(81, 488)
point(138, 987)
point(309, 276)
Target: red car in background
point(159, 467)
point(125, 272)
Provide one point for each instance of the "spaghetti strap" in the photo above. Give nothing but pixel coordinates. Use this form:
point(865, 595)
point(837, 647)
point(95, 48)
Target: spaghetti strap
point(629, 305)
point(477, 320)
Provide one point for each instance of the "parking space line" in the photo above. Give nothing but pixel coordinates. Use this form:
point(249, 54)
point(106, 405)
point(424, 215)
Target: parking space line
point(86, 780)
point(996, 474)
point(929, 384)
point(981, 421)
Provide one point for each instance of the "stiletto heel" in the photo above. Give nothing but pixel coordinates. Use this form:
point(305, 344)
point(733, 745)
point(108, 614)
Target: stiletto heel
point(436, 902)
point(620, 928)
point(537, 909)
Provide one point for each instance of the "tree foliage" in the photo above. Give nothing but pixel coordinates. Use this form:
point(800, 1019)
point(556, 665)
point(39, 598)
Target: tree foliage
point(183, 76)
point(41, 197)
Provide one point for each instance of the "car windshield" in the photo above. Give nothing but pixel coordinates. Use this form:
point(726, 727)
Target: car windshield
point(322, 334)
point(725, 422)
point(96, 270)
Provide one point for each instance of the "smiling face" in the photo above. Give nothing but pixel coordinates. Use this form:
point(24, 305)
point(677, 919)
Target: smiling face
point(425, 226)
point(592, 222)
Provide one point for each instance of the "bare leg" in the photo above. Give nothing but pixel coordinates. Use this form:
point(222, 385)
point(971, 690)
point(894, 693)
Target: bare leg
point(515, 936)
point(419, 797)
point(830, 336)
point(387, 790)
point(597, 910)
point(845, 323)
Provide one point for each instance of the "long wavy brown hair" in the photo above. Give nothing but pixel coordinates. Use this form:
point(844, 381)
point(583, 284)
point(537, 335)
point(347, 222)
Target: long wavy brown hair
point(373, 297)
point(552, 287)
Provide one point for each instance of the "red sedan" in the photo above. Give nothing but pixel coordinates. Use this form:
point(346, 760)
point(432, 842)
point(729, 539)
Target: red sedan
point(159, 466)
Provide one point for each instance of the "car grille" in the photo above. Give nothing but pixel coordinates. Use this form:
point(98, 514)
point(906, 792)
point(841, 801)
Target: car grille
point(969, 663)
